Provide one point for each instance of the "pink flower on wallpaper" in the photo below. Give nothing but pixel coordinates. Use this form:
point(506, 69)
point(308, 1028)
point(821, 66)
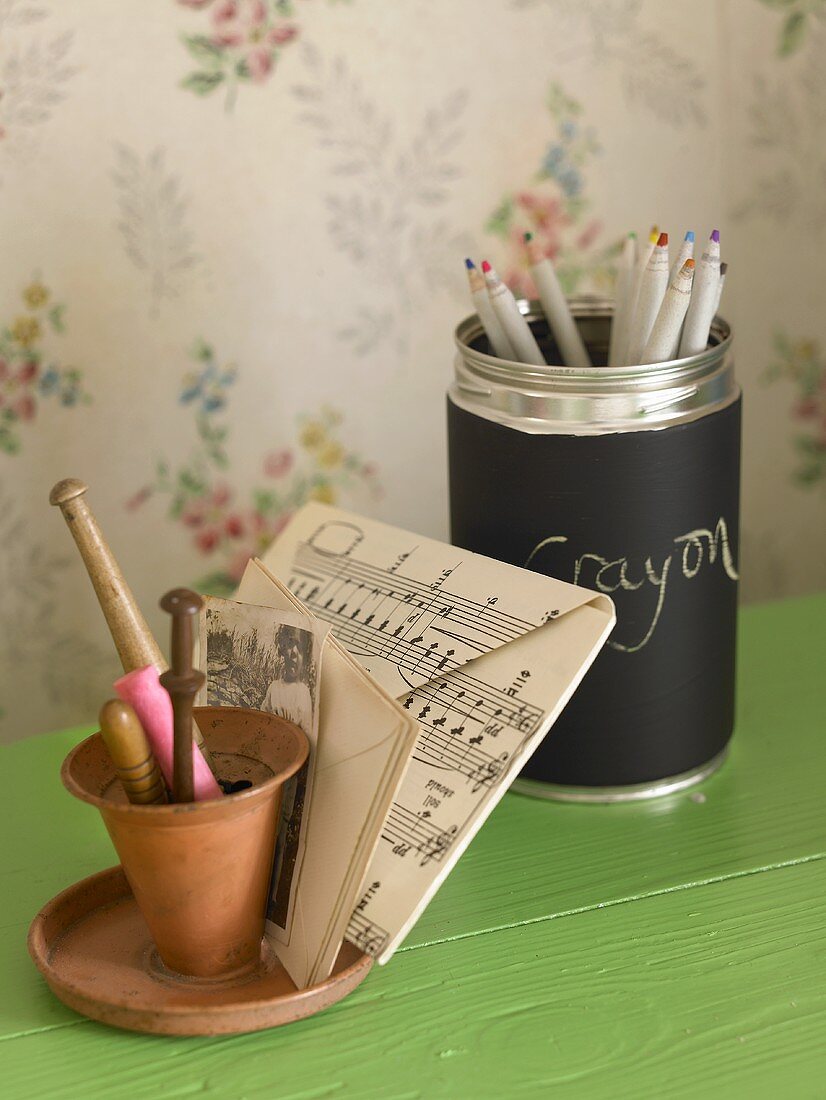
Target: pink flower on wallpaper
point(246, 25)
point(208, 539)
point(278, 463)
point(283, 34)
point(234, 526)
point(242, 43)
point(550, 226)
point(25, 407)
point(137, 499)
point(553, 207)
point(542, 212)
point(259, 532)
point(259, 64)
point(28, 371)
point(221, 495)
point(589, 235)
point(207, 508)
point(806, 409)
point(193, 513)
point(237, 21)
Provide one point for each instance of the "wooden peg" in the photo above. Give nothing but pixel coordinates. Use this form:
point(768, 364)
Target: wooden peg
point(183, 682)
point(133, 639)
point(135, 765)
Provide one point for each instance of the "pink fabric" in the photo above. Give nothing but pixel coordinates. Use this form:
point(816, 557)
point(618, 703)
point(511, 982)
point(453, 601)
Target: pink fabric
point(142, 688)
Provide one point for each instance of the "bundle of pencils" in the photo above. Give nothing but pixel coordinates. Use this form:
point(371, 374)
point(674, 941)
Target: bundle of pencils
point(662, 311)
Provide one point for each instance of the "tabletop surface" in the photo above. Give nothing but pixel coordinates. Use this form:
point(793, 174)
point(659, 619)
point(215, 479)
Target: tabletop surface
point(672, 948)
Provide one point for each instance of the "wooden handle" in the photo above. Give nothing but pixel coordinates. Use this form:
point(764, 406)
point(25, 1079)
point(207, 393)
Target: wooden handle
point(183, 682)
point(135, 765)
point(133, 639)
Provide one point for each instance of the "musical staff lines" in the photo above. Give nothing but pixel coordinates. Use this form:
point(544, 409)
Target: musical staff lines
point(322, 584)
point(365, 934)
point(406, 622)
point(407, 830)
point(486, 703)
point(379, 613)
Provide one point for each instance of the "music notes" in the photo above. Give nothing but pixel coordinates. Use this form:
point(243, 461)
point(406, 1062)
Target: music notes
point(407, 831)
point(466, 646)
point(422, 628)
point(365, 934)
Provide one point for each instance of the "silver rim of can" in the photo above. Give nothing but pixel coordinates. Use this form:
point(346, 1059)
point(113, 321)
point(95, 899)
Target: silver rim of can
point(591, 400)
point(558, 792)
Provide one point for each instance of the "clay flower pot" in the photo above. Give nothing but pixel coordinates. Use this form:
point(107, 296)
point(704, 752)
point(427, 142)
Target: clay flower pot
point(200, 871)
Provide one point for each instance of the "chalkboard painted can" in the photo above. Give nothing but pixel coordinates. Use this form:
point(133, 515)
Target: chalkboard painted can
point(625, 480)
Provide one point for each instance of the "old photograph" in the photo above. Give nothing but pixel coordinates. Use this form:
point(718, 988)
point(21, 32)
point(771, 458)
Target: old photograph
point(268, 660)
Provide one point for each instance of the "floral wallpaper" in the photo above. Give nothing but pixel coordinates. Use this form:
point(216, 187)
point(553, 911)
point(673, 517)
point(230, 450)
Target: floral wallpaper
point(28, 373)
point(229, 525)
point(385, 194)
point(802, 363)
point(240, 42)
point(233, 240)
point(555, 208)
point(36, 72)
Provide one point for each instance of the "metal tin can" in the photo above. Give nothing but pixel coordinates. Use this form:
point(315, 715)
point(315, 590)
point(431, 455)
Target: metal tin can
point(625, 480)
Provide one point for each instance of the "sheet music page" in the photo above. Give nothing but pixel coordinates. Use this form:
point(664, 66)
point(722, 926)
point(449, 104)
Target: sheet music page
point(483, 654)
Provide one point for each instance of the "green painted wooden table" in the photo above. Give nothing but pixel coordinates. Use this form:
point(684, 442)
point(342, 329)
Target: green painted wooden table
point(671, 949)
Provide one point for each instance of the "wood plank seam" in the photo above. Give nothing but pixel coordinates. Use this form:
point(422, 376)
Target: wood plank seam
point(365, 996)
point(743, 873)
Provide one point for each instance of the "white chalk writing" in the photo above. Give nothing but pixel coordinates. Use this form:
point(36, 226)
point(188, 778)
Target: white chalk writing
point(609, 576)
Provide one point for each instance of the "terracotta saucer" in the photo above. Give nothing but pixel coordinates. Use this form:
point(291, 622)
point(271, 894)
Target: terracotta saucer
point(93, 948)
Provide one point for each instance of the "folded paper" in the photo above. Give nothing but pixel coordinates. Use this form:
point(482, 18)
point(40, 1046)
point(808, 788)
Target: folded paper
point(363, 742)
point(482, 655)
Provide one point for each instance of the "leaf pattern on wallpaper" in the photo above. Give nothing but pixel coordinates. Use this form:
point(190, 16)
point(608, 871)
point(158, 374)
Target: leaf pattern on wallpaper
point(20, 13)
point(154, 211)
point(797, 19)
point(34, 73)
point(664, 80)
point(787, 121)
point(654, 73)
point(69, 667)
point(384, 211)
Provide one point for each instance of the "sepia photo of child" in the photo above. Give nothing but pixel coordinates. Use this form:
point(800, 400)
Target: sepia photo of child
point(266, 659)
point(290, 695)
